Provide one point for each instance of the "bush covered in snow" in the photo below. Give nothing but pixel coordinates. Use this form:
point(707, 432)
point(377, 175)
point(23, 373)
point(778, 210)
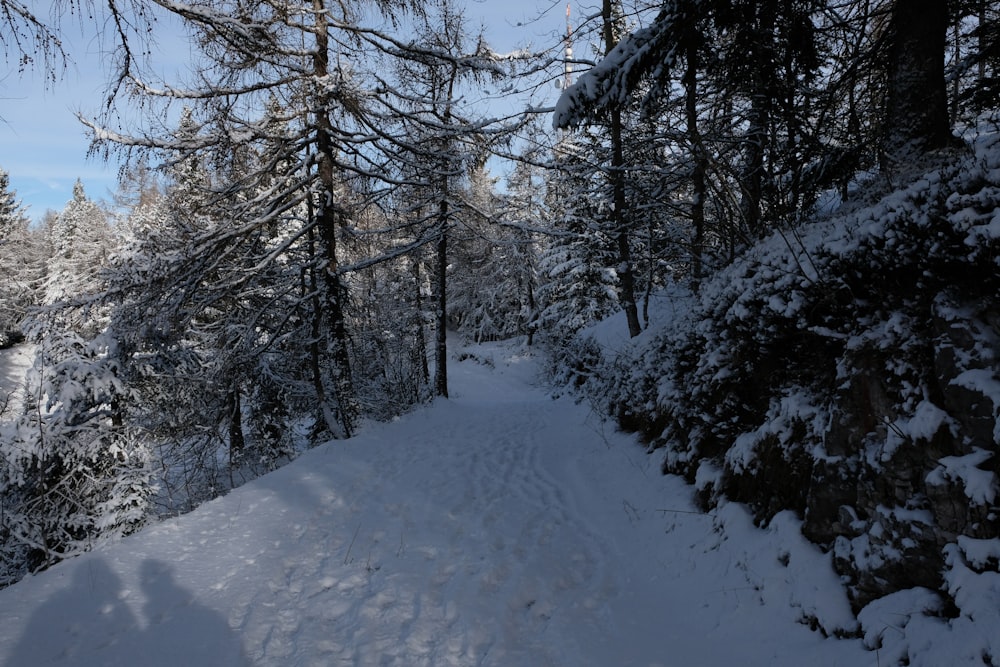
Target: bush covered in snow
point(845, 370)
point(71, 474)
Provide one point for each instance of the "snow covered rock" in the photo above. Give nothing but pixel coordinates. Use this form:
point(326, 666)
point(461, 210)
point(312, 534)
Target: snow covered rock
point(850, 375)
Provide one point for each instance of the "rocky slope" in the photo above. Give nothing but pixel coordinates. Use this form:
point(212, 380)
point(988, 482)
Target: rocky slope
point(848, 371)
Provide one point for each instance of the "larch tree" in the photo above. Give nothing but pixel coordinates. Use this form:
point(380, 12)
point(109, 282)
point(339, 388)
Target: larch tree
point(301, 91)
point(434, 141)
point(296, 55)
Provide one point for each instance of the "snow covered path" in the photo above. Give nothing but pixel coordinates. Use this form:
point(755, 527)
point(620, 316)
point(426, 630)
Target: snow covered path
point(500, 527)
point(14, 363)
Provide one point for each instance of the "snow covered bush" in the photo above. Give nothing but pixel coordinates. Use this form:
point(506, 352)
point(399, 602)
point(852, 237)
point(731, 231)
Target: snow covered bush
point(845, 370)
point(71, 474)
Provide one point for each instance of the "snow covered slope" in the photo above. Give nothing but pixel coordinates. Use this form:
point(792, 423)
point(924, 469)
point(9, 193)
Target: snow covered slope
point(500, 527)
point(14, 363)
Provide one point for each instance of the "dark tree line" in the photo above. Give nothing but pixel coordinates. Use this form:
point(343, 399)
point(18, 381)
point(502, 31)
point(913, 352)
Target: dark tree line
point(725, 120)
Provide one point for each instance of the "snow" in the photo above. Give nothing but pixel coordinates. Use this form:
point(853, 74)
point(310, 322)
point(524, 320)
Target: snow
point(644, 51)
point(499, 527)
point(15, 363)
point(985, 382)
point(926, 421)
point(978, 483)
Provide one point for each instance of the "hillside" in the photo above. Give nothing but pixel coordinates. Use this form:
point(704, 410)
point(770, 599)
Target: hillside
point(845, 371)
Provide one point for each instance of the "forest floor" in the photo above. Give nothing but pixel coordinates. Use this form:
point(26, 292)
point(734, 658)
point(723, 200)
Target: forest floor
point(499, 527)
point(14, 363)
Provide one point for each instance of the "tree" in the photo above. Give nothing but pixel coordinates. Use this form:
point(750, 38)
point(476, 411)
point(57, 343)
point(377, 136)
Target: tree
point(675, 43)
point(81, 244)
point(783, 81)
point(29, 37)
point(976, 55)
point(618, 202)
point(222, 352)
point(303, 146)
point(435, 142)
point(21, 262)
point(916, 106)
point(577, 285)
point(298, 182)
point(71, 473)
point(493, 262)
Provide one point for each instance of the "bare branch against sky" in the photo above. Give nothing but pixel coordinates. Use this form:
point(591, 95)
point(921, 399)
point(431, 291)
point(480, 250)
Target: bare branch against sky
point(44, 147)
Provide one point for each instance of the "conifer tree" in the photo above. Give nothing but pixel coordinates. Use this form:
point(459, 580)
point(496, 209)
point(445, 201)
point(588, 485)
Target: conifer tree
point(82, 242)
point(71, 473)
point(577, 283)
point(20, 263)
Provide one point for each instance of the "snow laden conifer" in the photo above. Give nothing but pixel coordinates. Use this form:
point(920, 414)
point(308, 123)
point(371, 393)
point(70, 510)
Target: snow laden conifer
point(81, 243)
point(72, 474)
point(21, 263)
point(12, 216)
point(492, 292)
point(183, 301)
point(499, 278)
point(71, 470)
point(578, 282)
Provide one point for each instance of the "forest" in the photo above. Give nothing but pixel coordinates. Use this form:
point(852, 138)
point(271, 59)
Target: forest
point(308, 218)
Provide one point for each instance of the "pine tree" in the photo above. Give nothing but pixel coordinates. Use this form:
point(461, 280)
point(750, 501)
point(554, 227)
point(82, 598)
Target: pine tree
point(916, 111)
point(71, 473)
point(20, 264)
point(81, 241)
point(578, 282)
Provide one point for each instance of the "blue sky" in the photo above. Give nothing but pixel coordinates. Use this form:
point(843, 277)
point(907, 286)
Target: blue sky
point(43, 146)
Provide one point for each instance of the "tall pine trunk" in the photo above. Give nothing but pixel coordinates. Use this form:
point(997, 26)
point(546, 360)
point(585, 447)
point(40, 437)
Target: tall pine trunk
point(421, 342)
point(327, 221)
point(916, 109)
point(699, 168)
point(447, 165)
point(441, 345)
point(625, 271)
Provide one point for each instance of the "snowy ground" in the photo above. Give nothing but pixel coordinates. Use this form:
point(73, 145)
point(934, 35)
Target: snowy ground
point(14, 362)
point(500, 527)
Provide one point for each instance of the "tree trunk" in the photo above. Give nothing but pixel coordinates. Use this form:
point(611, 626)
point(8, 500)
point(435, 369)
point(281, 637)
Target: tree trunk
point(530, 295)
point(237, 440)
point(441, 349)
point(421, 345)
point(753, 168)
point(311, 287)
point(698, 185)
point(447, 166)
point(327, 220)
point(625, 271)
point(916, 109)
